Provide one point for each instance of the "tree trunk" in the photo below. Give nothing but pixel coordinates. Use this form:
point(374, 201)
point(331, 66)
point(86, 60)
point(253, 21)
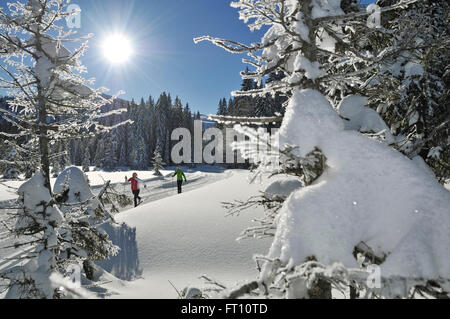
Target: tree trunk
point(309, 48)
point(321, 289)
point(43, 140)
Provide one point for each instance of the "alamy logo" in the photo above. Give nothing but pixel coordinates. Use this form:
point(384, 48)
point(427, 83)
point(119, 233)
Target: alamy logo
point(211, 146)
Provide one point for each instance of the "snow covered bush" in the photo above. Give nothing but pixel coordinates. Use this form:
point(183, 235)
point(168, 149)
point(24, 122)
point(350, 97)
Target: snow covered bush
point(67, 232)
point(360, 118)
point(109, 245)
point(38, 217)
point(52, 103)
point(86, 216)
point(362, 199)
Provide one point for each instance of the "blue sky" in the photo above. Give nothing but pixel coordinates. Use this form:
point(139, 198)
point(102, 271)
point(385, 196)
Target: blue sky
point(166, 58)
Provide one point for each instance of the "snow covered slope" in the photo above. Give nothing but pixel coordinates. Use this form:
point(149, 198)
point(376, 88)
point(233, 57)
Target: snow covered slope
point(185, 236)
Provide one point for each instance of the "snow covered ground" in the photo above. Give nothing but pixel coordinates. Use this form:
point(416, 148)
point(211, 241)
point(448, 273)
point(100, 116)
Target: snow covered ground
point(180, 237)
point(157, 188)
point(200, 175)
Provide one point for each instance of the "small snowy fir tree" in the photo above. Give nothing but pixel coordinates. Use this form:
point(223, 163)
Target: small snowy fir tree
point(157, 163)
point(83, 213)
point(37, 217)
point(360, 198)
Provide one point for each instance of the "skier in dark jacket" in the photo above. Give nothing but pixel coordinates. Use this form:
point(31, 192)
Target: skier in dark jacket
point(180, 175)
point(135, 188)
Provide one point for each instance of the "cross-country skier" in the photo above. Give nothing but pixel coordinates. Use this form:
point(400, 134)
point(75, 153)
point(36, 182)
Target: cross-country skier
point(135, 188)
point(180, 175)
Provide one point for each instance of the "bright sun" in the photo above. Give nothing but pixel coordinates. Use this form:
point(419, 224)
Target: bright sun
point(117, 48)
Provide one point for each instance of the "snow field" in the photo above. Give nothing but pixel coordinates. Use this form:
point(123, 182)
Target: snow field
point(183, 237)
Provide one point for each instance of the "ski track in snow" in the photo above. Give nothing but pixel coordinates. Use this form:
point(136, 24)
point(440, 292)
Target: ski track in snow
point(184, 237)
point(157, 188)
point(180, 237)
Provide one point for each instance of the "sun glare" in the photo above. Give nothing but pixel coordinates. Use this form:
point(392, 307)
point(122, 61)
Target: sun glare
point(117, 48)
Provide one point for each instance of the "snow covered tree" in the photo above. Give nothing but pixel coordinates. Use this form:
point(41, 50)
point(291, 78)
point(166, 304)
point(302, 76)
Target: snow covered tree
point(56, 101)
point(38, 216)
point(63, 235)
point(188, 120)
point(123, 157)
point(84, 213)
point(271, 105)
point(141, 158)
point(99, 158)
point(56, 104)
point(244, 105)
point(162, 108)
point(223, 107)
point(111, 151)
point(177, 114)
point(139, 146)
point(157, 163)
point(86, 159)
point(406, 89)
point(409, 89)
point(360, 198)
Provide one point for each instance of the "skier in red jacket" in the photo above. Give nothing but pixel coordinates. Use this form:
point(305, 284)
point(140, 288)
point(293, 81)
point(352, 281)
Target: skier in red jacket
point(135, 188)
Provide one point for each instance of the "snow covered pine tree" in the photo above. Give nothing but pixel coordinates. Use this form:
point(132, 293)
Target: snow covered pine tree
point(157, 163)
point(410, 91)
point(360, 197)
point(56, 103)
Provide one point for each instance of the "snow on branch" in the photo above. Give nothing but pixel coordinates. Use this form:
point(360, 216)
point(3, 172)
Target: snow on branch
point(245, 120)
point(230, 45)
point(352, 16)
